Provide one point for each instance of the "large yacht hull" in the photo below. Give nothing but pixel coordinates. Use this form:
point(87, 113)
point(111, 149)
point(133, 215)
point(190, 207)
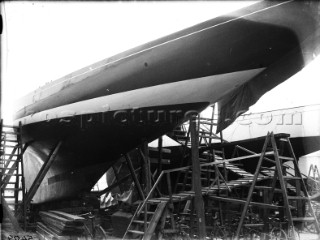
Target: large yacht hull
point(109, 108)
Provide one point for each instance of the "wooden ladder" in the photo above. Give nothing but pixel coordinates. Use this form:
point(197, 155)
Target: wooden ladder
point(314, 179)
point(283, 177)
point(12, 178)
point(144, 221)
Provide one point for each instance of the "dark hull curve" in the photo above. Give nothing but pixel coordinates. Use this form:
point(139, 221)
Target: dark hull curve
point(182, 72)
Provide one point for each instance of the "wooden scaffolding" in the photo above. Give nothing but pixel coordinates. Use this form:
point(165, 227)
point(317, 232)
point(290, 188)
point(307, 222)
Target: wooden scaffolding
point(12, 177)
point(205, 185)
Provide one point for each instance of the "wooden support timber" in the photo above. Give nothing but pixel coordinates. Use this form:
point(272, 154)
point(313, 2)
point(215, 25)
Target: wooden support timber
point(212, 191)
point(43, 171)
point(280, 175)
point(134, 176)
point(12, 170)
point(144, 152)
point(196, 179)
point(116, 184)
point(215, 187)
point(160, 155)
point(252, 187)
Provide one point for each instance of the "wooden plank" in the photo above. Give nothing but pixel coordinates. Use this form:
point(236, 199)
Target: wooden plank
point(9, 126)
point(207, 136)
point(139, 221)
point(136, 232)
point(163, 150)
point(44, 231)
point(154, 221)
point(297, 198)
point(55, 217)
point(163, 161)
point(68, 216)
point(268, 188)
point(251, 152)
point(303, 219)
point(242, 202)
point(270, 153)
point(253, 225)
point(286, 158)
point(291, 178)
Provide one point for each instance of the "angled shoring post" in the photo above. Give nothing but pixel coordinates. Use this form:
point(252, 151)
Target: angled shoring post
point(117, 177)
point(246, 206)
point(116, 183)
point(134, 176)
point(311, 169)
point(281, 180)
point(196, 178)
point(43, 171)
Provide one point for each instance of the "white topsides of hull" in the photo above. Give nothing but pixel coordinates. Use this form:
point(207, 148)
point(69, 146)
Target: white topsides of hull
point(207, 89)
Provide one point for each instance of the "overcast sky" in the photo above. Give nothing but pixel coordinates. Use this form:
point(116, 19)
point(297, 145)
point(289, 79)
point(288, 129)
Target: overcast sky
point(43, 41)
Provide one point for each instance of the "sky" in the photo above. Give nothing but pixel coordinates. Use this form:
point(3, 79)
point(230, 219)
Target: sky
point(43, 41)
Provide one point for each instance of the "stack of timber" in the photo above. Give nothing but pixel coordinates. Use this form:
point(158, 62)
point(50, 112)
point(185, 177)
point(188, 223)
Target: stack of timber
point(60, 225)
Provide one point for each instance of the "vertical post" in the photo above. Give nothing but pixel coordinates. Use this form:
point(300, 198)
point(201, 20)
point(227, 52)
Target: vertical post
point(171, 206)
point(147, 170)
point(21, 152)
point(147, 177)
point(212, 122)
point(265, 214)
point(160, 155)
point(145, 218)
point(184, 149)
point(196, 178)
point(299, 201)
